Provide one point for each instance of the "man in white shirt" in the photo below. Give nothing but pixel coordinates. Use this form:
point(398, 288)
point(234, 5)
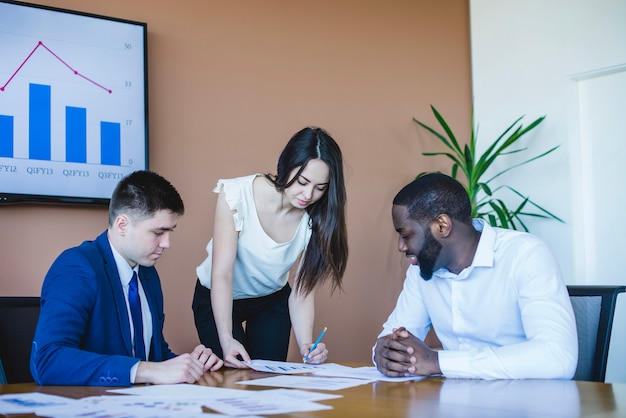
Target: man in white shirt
point(495, 297)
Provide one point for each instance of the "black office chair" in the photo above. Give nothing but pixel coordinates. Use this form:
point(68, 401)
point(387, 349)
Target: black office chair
point(594, 308)
point(3, 377)
point(18, 319)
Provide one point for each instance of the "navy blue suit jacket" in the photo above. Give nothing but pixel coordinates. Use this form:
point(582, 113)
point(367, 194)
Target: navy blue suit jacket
point(83, 333)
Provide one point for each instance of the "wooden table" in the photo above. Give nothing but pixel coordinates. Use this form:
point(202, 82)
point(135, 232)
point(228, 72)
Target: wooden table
point(433, 397)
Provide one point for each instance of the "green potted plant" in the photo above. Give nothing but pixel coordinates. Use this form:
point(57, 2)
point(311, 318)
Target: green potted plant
point(488, 204)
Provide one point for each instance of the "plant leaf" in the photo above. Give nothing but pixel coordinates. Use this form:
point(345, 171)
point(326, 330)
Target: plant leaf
point(486, 201)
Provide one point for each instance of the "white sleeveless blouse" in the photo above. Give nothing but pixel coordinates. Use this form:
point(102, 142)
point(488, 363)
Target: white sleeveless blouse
point(262, 265)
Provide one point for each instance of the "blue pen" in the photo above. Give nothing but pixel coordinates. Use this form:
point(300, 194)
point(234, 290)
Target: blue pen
point(315, 344)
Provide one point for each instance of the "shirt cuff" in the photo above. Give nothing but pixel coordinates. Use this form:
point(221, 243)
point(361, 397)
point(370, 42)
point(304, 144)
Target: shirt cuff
point(133, 372)
point(454, 363)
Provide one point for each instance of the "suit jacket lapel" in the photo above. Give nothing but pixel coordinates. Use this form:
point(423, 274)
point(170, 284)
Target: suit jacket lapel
point(116, 289)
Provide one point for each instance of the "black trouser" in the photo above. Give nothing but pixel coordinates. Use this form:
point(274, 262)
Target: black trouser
point(267, 323)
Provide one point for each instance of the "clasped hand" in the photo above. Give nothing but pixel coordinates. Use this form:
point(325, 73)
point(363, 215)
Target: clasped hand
point(403, 354)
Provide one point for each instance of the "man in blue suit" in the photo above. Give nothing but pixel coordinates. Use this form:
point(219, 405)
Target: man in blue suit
point(85, 334)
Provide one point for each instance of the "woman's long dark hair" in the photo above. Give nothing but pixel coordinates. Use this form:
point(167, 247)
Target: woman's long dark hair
point(326, 255)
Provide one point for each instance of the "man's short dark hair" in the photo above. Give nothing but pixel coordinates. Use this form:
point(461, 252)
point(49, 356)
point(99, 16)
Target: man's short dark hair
point(143, 193)
point(432, 195)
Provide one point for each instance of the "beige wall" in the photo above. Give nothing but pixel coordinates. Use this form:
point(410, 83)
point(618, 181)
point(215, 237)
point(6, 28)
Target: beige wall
point(229, 83)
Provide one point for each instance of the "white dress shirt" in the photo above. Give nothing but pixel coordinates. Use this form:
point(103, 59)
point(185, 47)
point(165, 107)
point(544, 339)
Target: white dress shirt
point(506, 316)
point(126, 274)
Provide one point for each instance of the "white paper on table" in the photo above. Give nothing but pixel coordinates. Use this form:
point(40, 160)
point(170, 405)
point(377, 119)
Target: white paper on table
point(307, 382)
point(178, 391)
point(24, 403)
point(228, 401)
point(258, 402)
point(367, 372)
point(123, 405)
point(283, 367)
point(301, 395)
point(130, 414)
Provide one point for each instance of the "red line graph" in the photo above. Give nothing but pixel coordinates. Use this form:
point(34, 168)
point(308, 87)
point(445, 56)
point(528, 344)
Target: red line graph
point(41, 44)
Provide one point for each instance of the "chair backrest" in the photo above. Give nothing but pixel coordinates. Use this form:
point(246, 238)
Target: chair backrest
point(3, 377)
point(594, 308)
point(18, 320)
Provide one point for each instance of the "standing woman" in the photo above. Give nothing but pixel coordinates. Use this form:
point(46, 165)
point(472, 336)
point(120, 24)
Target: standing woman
point(269, 229)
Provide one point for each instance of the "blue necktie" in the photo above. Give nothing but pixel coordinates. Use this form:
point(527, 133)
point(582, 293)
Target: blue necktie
point(135, 311)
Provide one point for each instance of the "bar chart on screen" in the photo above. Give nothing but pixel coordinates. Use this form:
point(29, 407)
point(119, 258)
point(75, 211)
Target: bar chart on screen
point(73, 117)
point(39, 123)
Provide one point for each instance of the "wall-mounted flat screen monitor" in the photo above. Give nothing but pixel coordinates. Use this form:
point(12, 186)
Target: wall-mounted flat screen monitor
point(73, 103)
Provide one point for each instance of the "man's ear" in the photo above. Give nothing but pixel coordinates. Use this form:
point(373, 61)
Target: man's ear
point(121, 224)
point(441, 227)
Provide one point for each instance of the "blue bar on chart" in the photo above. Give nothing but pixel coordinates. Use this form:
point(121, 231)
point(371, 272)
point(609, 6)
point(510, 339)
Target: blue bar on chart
point(6, 136)
point(75, 134)
point(110, 143)
point(39, 127)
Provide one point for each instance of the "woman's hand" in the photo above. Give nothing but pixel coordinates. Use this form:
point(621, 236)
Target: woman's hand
point(317, 356)
point(232, 350)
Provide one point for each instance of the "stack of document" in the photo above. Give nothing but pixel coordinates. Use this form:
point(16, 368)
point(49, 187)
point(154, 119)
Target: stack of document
point(364, 374)
point(183, 400)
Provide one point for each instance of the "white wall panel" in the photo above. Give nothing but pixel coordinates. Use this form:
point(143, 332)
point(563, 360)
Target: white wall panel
point(564, 59)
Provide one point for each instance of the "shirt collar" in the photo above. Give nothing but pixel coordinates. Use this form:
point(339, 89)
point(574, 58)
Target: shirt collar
point(124, 269)
point(484, 252)
point(486, 244)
